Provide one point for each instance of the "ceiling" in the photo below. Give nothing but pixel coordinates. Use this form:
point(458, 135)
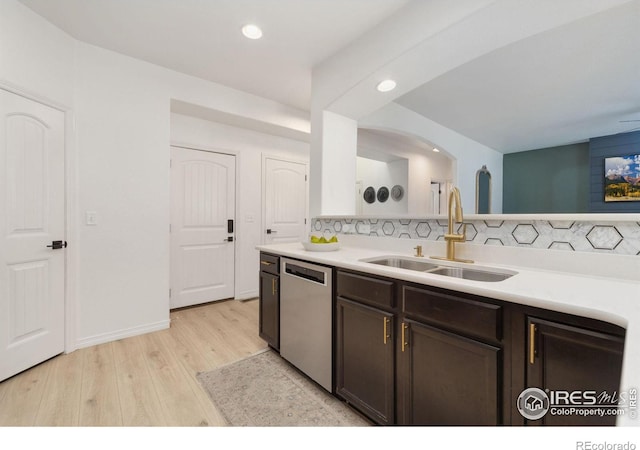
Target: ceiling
point(385, 146)
point(202, 37)
point(559, 87)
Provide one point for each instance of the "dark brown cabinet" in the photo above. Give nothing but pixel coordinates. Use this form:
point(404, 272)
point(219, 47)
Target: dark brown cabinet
point(269, 321)
point(365, 358)
point(365, 345)
point(447, 379)
point(564, 358)
point(412, 354)
point(450, 359)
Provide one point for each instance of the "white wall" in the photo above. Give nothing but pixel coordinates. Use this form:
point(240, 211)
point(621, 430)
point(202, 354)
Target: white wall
point(469, 155)
point(124, 135)
point(422, 171)
point(122, 131)
point(35, 56)
point(424, 165)
point(120, 151)
point(379, 173)
point(249, 146)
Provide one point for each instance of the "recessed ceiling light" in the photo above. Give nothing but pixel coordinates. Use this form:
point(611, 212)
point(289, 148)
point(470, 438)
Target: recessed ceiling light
point(252, 31)
point(436, 150)
point(386, 86)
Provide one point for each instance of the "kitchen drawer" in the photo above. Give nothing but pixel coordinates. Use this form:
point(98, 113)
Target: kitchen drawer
point(364, 289)
point(269, 263)
point(453, 312)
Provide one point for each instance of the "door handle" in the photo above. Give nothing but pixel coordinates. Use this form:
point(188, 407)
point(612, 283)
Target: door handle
point(532, 343)
point(270, 231)
point(403, 342)
point(57, 245)
point(229, 239)
point(385, 330)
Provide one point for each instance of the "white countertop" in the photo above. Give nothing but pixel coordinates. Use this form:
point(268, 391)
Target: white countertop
point(612, 300)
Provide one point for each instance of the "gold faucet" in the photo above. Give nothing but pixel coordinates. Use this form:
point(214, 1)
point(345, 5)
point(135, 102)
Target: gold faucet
point(451, 237)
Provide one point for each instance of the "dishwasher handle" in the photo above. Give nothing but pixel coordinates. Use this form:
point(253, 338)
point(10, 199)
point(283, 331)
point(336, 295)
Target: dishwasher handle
point(315, 276)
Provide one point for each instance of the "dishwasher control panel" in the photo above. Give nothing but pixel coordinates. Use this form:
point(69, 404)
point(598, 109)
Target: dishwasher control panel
point(306, 273)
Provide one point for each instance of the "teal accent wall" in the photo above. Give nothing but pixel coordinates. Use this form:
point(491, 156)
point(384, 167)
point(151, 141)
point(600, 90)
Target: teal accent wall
point(548, 180)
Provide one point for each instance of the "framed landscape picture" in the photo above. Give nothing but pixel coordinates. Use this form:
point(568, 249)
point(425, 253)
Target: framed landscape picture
point(622, 178)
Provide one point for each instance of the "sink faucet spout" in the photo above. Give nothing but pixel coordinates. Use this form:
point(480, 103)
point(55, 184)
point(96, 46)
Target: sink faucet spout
point(455, 216)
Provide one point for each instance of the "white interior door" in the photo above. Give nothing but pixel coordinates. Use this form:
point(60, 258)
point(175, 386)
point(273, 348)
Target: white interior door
point(202, 245)
point(31, 217)
point(285, 201)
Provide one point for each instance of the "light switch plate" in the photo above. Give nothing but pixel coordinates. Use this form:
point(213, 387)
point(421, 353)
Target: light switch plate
point(91, 218)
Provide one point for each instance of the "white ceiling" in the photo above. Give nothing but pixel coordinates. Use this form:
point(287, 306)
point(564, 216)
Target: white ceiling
point(202, 37)
point(566, 85)
point(559, 87)
point(382, 145)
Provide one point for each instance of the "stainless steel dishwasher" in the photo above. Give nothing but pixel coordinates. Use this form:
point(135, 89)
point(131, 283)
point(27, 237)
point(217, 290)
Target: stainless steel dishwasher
point(305, 319)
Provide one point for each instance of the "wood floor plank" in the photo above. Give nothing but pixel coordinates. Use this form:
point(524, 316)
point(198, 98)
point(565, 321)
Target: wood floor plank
point(191, 335)
point(139, 402)
point(191, 368)
point(188, 352)
point(22, 396)
point(147, 380)
point(179, 402)
point(199, 331)
point(61, 397)
point(223, 325)
point(99, 399)
point(232, 322)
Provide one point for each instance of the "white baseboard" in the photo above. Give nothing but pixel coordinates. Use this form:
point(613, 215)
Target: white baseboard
point(121, 334)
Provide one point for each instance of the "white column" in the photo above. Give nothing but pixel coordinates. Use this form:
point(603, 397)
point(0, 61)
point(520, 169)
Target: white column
point(332, 183)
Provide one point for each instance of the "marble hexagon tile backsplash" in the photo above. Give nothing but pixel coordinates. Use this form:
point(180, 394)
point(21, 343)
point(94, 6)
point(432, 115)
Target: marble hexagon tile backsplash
point(613, 237)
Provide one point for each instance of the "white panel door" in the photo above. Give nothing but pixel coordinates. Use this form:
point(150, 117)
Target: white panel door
point(202, 245)
point(31, 217)
point(285, 203)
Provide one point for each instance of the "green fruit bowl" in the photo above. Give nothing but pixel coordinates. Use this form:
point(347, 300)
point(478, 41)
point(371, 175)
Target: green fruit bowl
point(328, 247)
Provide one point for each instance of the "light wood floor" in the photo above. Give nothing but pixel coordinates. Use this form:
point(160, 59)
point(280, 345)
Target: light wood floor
point(147, 380)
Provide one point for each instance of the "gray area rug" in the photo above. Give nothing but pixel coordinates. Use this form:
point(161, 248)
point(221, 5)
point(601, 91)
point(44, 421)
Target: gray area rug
point(264, 390)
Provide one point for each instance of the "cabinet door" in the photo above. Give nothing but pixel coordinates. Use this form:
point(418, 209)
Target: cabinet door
point(365, 359)
point(566, 358)
point(447, 379)
point(269, 328)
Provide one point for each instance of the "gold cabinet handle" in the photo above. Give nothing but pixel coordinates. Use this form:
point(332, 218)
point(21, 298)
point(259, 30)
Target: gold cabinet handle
point(265, 263)
point(532, 343)
point(404, 342)
point(385, 332)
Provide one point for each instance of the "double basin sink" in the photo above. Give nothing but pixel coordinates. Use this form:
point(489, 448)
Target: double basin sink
point(477, 273)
